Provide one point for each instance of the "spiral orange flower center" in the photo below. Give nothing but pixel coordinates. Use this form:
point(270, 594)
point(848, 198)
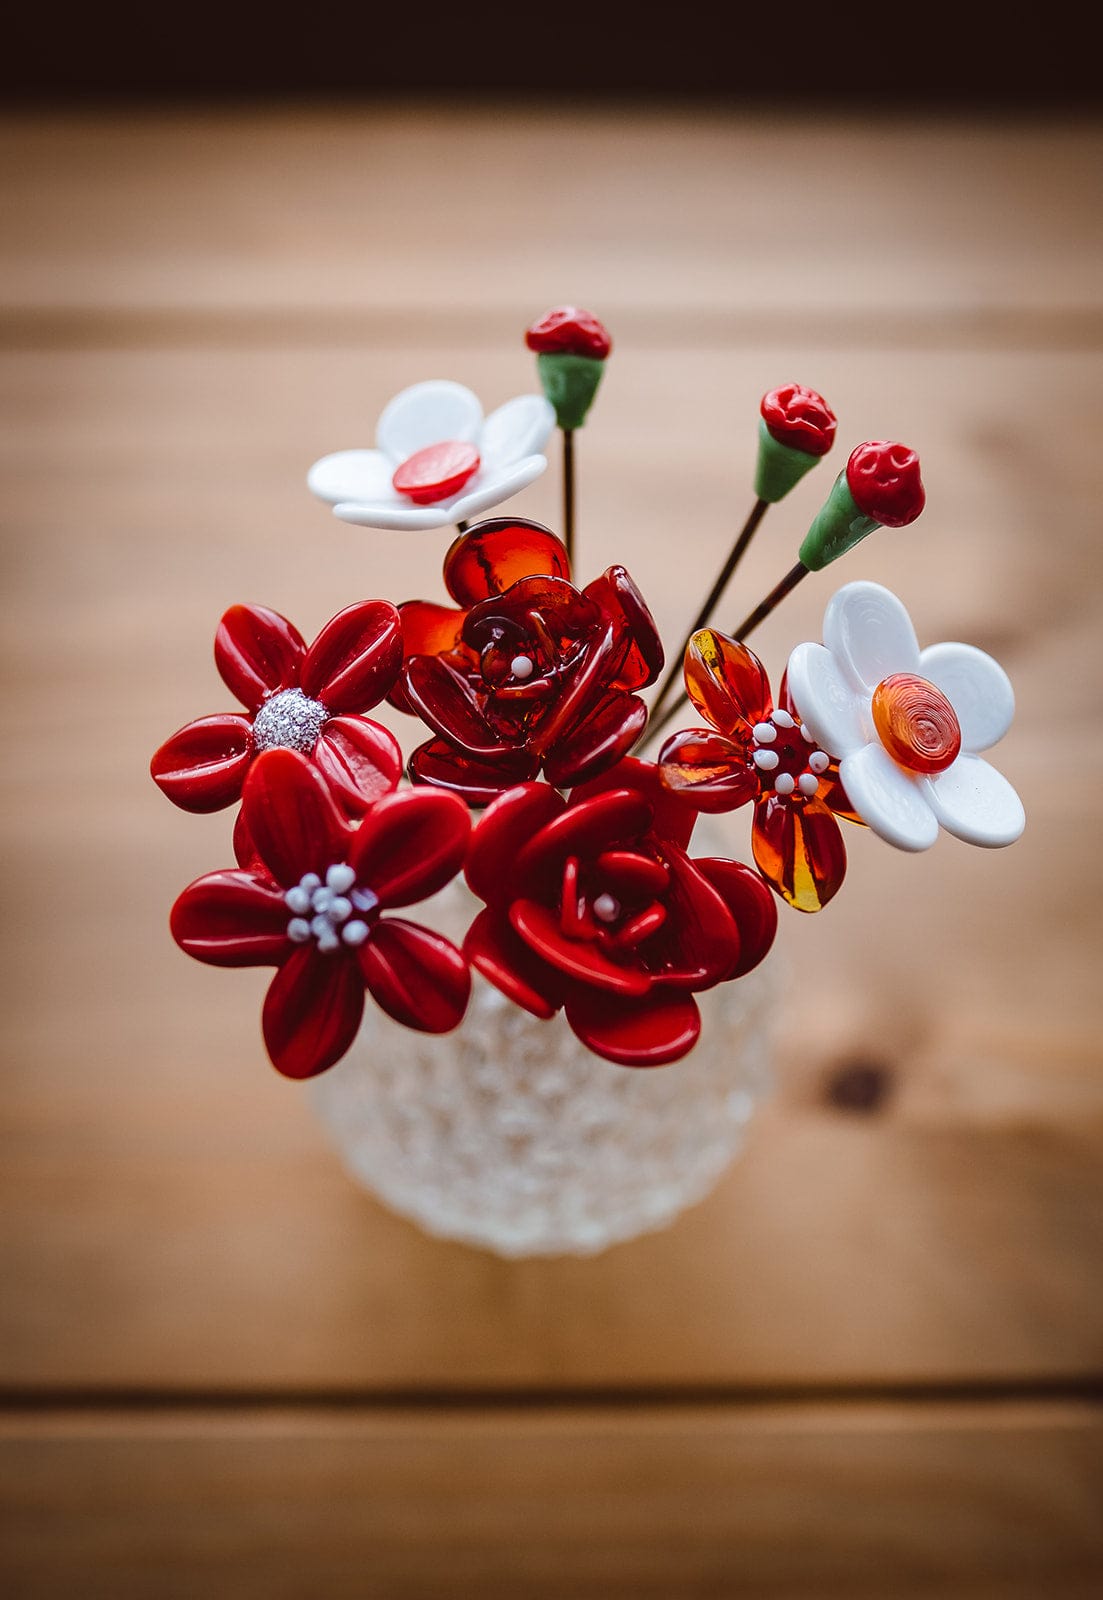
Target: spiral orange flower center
point(916, 723)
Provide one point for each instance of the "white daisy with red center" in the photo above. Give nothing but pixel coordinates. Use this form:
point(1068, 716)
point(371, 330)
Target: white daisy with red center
point(437, 459)
point(907, 725)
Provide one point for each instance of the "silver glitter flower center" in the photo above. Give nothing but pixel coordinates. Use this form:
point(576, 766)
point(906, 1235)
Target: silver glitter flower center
point(289, 720)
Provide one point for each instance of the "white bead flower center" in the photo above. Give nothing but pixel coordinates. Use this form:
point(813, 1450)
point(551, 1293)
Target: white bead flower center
point(323, 912)
point(782, 757)
point(289, 720)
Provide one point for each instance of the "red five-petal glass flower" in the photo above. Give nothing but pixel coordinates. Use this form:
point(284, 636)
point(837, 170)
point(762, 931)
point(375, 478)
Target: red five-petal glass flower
point(530, 674)
point(755, 752)
point(313, 906)
point(595, 905)
point(297, 698)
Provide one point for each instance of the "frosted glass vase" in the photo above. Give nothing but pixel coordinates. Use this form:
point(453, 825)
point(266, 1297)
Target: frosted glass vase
point(509, 1134)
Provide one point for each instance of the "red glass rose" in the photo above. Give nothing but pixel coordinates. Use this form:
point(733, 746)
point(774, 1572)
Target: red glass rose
point(754, 751)
point(297, 698)
point(531, 674)
point(313, 907)
point(568, 330)
point(799, 418)
point(594, 905)
point(884, 480)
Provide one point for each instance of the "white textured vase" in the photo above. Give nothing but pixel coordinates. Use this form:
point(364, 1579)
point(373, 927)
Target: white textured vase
point(509, 1134)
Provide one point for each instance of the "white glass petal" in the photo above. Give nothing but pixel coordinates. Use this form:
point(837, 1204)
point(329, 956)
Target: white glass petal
point(895, 805)
point(869, 631)
point(826, 700)
point(428, 413)
point(488, 489)
point(519, 428)
point(392, 514)
point(975, 802)
point(351, 475)
point(976, 686)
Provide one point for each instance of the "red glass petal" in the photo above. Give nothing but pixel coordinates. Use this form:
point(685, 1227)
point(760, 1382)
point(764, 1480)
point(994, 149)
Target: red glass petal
point(501, 956)
point(428, 629)
point(580, 959)
point(799, 850)
point(410, 845)
point(835, 797)
point(417, 976)
point(203, 766)
point(312, 1011)
point(751, 904)
point(708, 768)
point(603, 736)
point(291, 816)
point(354, 661)
point(662, 1026)
point(631, 875)
point(726, 682)
point(477, 783)
point(245, 851)
point(231, 919)
point(620, 600)
point(437, 471)
point(581, 688)
point(446, 701)
point(509, 823)
point(674, 816)
point(585, 829)
point(360, 760)
point(257, 652)
point(491, 556)
point(699, 942)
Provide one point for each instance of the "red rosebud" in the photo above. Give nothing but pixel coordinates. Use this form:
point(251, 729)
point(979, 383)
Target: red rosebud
point(885, 483)
point(800, 418)
point(568, 330)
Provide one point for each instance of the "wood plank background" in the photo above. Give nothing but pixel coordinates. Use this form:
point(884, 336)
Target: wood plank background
point(869, 1363)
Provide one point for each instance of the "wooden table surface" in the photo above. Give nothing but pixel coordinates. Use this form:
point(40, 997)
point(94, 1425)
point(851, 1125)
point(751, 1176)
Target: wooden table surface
point(869, 1364)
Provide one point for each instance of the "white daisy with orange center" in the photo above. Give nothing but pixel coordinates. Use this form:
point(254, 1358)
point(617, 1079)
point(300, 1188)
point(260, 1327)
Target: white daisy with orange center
point(907, 725)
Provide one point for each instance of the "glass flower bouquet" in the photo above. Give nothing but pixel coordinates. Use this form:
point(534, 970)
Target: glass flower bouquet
point(582, 895)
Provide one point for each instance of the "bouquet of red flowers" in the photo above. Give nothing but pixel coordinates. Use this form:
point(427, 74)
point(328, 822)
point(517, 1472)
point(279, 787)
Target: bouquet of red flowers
point(527, 775)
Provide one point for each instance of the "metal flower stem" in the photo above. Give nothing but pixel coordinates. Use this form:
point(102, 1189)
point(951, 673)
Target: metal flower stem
point(712, 600)
point(568, 494)
point(747, 626)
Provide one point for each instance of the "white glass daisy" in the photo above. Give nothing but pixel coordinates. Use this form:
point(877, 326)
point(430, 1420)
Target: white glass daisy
point(437, 459)
point(907, 724)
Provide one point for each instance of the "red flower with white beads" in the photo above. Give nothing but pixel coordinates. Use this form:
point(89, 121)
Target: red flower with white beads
point(314, 906)
point(756, 751)
point(594, 905)
point(296, 698)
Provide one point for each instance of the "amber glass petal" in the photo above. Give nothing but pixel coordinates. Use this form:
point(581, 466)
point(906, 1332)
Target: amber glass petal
point(637, 635)
point(708, 768)
point(799, 850)
point(726, 681)
point(428, 629)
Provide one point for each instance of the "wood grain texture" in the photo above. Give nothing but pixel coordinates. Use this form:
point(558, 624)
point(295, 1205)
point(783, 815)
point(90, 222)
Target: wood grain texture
point(192, 308)
point(773, 1503)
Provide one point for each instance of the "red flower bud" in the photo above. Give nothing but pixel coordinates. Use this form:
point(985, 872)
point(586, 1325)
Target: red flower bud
point(568, 330)
point(885, 483)
point(800, 418)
